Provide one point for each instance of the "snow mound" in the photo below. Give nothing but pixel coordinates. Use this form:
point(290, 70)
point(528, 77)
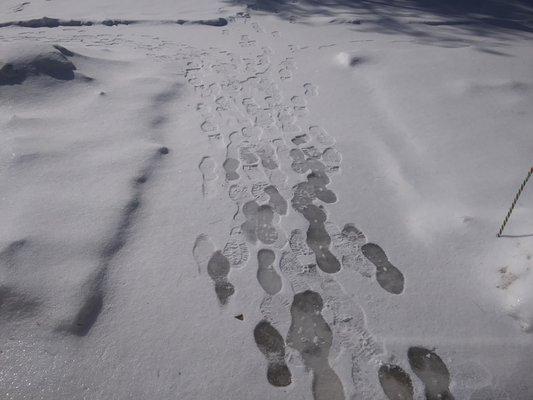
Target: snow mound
point(345, 59)
point(51, 61)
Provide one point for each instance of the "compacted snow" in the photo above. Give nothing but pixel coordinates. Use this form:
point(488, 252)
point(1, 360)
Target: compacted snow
point(265, 200)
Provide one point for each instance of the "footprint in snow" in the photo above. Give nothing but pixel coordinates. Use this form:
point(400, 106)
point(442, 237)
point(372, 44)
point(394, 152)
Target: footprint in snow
point(319, 240)
point(259, 223)
point(312, 337)
point(388, 276)
point(218, 269)
point(432, 371)
point(207, 168)
point(230, 166)
point(276, 200)
point(236, 250)
point(267, 276)
point(256, 27)
point(300, 139)
point(216, 264)
point(247, 154)
point(310, 90)
point(267, 153)
point(396, 383)
point(321, 136)
point(271, 344)
point(332, 158)
point(202, 250)
point(350, 241)
point(21, 6)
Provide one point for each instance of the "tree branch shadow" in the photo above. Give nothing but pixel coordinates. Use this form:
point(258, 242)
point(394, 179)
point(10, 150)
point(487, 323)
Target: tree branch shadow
point(494, 19)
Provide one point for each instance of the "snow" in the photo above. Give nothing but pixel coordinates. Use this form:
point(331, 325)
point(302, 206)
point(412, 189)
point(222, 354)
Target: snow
point(519, 301)
point(121, 214)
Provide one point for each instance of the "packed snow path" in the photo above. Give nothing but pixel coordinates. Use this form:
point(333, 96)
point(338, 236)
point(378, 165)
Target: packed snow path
point(267, 153)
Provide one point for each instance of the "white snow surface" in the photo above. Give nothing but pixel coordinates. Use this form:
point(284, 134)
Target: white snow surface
point(113, 172)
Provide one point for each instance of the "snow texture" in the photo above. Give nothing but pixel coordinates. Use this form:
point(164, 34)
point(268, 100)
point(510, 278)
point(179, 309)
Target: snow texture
point(265, 199)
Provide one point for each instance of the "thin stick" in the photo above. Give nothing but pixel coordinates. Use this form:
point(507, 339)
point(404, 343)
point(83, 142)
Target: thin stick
point(514, 201)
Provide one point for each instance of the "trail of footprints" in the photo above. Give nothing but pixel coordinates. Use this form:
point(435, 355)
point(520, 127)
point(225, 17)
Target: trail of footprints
point(427, 366)
point(255, 130)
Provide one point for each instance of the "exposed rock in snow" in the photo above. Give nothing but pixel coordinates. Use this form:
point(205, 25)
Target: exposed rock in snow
point(24, 62)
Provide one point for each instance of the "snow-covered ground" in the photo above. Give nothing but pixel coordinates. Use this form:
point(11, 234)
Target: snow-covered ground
point(272, 200)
